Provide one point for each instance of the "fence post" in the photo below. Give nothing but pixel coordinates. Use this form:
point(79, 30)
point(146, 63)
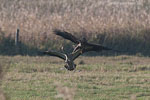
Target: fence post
point(17, 44)
point(17, 37)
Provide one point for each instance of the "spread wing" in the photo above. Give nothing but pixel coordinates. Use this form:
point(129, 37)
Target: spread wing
point(95, 47)
point(66, 35)
point(90, 47)
point(56, 54)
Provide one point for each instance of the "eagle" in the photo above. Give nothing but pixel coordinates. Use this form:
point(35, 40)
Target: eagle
point(82, 43)
point(67, 57)
point(82, 46)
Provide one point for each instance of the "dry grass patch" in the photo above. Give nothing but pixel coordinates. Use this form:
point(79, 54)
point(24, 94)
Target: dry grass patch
point(114, 23)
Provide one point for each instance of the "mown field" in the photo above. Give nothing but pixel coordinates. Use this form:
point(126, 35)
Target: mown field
point(96, 78)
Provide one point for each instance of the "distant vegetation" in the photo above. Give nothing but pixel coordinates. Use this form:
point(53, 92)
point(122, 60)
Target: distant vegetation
point(114, 23)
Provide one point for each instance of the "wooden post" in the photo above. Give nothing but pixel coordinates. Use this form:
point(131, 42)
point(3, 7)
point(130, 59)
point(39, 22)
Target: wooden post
point(17, 45)
point(17, 37)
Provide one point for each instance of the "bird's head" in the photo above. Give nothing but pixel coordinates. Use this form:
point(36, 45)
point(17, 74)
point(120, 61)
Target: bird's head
point(84, 40)
point(70, 65)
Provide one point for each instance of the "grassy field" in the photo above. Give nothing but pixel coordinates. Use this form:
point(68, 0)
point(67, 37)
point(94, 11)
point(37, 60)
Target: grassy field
point(121, 25)
point(96, 78)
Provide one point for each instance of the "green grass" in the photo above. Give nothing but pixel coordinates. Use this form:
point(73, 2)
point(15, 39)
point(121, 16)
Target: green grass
point(99, 78)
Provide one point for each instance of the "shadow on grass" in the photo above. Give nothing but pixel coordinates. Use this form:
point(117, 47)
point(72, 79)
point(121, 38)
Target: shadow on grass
point(129, 45)
point(8, 47)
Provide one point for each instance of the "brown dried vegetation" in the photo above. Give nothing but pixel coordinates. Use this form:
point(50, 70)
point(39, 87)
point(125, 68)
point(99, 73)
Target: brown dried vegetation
point(114, 23)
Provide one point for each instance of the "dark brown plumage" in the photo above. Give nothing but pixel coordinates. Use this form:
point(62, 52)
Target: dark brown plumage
point(82, 43)
point(81, 47)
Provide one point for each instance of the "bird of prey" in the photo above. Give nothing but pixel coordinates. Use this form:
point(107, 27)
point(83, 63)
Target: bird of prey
point(67, 57)
point(82, 47)
point(82, 44)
